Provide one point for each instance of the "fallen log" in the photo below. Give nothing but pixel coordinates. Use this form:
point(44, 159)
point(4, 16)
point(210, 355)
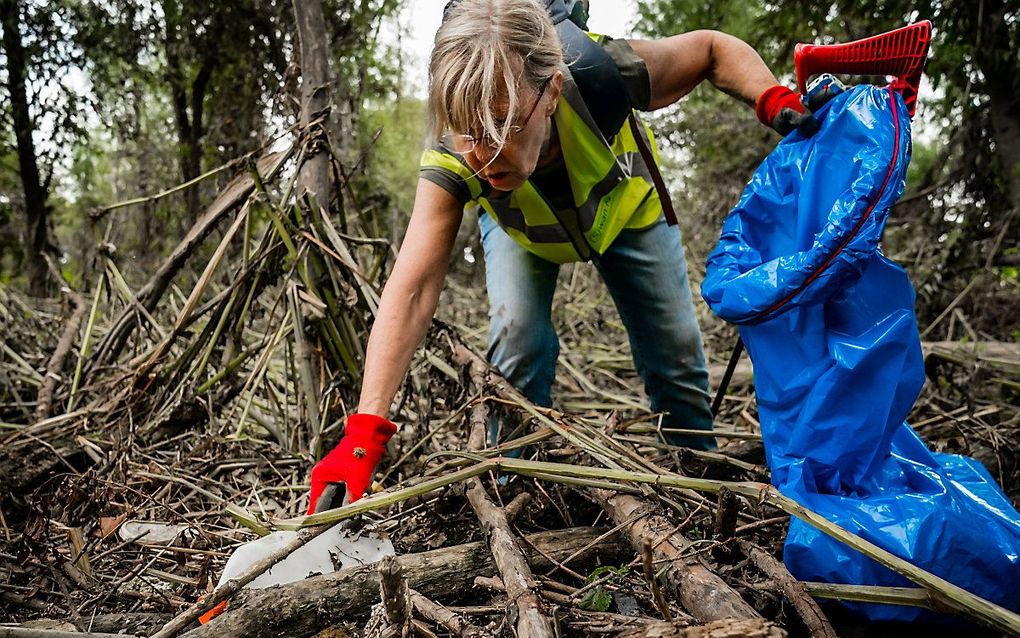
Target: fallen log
point(303, 608)
point(716, 629)
point(698, 589)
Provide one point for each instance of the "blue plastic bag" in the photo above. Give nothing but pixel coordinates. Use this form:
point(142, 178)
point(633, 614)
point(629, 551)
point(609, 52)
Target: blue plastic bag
point(829, 324)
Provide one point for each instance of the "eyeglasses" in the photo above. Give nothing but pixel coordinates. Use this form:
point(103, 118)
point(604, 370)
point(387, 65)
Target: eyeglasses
point(465, 143)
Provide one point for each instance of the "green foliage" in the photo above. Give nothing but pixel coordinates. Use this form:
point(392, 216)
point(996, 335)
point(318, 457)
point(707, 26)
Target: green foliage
point(598, 598)
point(54, 61)
point(219, 65)
point(1010, 273)
point(393, 157)
point(606, 570)
point(667, 17)
point(43, 111)
point(922, 163)
point(366, 65)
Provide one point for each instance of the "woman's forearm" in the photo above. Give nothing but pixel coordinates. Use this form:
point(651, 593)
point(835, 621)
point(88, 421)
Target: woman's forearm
point(677, 64)
point(410, 296)
point(737, 69)
point(405, 313)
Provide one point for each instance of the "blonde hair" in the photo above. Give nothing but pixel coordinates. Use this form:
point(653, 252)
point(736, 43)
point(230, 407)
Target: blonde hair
point(488, 50)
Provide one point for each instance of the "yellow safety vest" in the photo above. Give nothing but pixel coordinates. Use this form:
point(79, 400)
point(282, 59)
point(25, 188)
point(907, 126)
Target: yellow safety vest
point(612, 187)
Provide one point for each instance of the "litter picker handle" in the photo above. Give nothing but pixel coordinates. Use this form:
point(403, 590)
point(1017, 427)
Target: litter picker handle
point(900, 53)
point(333, 495)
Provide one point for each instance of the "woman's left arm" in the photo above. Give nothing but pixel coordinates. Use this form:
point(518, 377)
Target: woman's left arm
point(679, 63)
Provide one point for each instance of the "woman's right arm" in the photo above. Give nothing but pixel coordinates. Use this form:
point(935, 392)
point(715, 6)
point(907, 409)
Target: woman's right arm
point(410, 295)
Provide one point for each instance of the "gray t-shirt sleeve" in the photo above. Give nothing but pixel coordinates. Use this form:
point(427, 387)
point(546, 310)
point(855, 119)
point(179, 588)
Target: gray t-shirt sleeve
point(448, 181)
point(633, 69)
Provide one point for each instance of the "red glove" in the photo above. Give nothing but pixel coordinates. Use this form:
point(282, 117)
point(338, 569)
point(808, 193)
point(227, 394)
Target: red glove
point(781, 108)
point(353, 460)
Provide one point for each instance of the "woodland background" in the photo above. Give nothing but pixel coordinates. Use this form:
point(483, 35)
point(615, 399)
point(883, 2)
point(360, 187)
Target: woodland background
point(102, 102)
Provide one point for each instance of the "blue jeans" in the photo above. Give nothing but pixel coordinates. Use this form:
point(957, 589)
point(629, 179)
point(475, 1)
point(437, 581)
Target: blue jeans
point(646, 273)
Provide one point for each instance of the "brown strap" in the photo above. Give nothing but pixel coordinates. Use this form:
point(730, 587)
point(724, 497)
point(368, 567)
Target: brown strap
point(653, 168)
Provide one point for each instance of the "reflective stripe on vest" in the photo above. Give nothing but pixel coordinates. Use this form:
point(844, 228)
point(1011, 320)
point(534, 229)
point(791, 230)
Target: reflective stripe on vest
point(611, 186)
point(435, 159)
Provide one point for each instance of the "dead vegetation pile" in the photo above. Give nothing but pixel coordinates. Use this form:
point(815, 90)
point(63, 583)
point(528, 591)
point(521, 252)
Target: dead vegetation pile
point(120, 511)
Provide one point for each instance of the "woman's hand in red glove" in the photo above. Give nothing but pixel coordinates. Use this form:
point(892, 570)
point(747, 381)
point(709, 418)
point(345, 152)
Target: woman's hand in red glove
point(783, 110)
point(352, 462)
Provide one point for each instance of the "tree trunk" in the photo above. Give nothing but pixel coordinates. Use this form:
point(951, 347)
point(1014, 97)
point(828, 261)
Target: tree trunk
point(313, 185)
point(35, 189)
point(1006, 129)
point(315, 98)
point(188, 100)
point(996, 57)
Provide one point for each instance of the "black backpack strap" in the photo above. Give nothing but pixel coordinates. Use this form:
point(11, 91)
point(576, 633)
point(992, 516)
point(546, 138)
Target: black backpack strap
point(653, 167)
point(598, 78)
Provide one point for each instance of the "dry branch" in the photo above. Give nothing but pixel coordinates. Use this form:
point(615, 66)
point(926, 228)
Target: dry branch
point(443, 616)
point(229, 199)
point(509, 558)
point(396, 596)
point(995, 354)
point(520, 584)
point(648, 568)
point(810, 613)
point(727, 509)
point(44, 399)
